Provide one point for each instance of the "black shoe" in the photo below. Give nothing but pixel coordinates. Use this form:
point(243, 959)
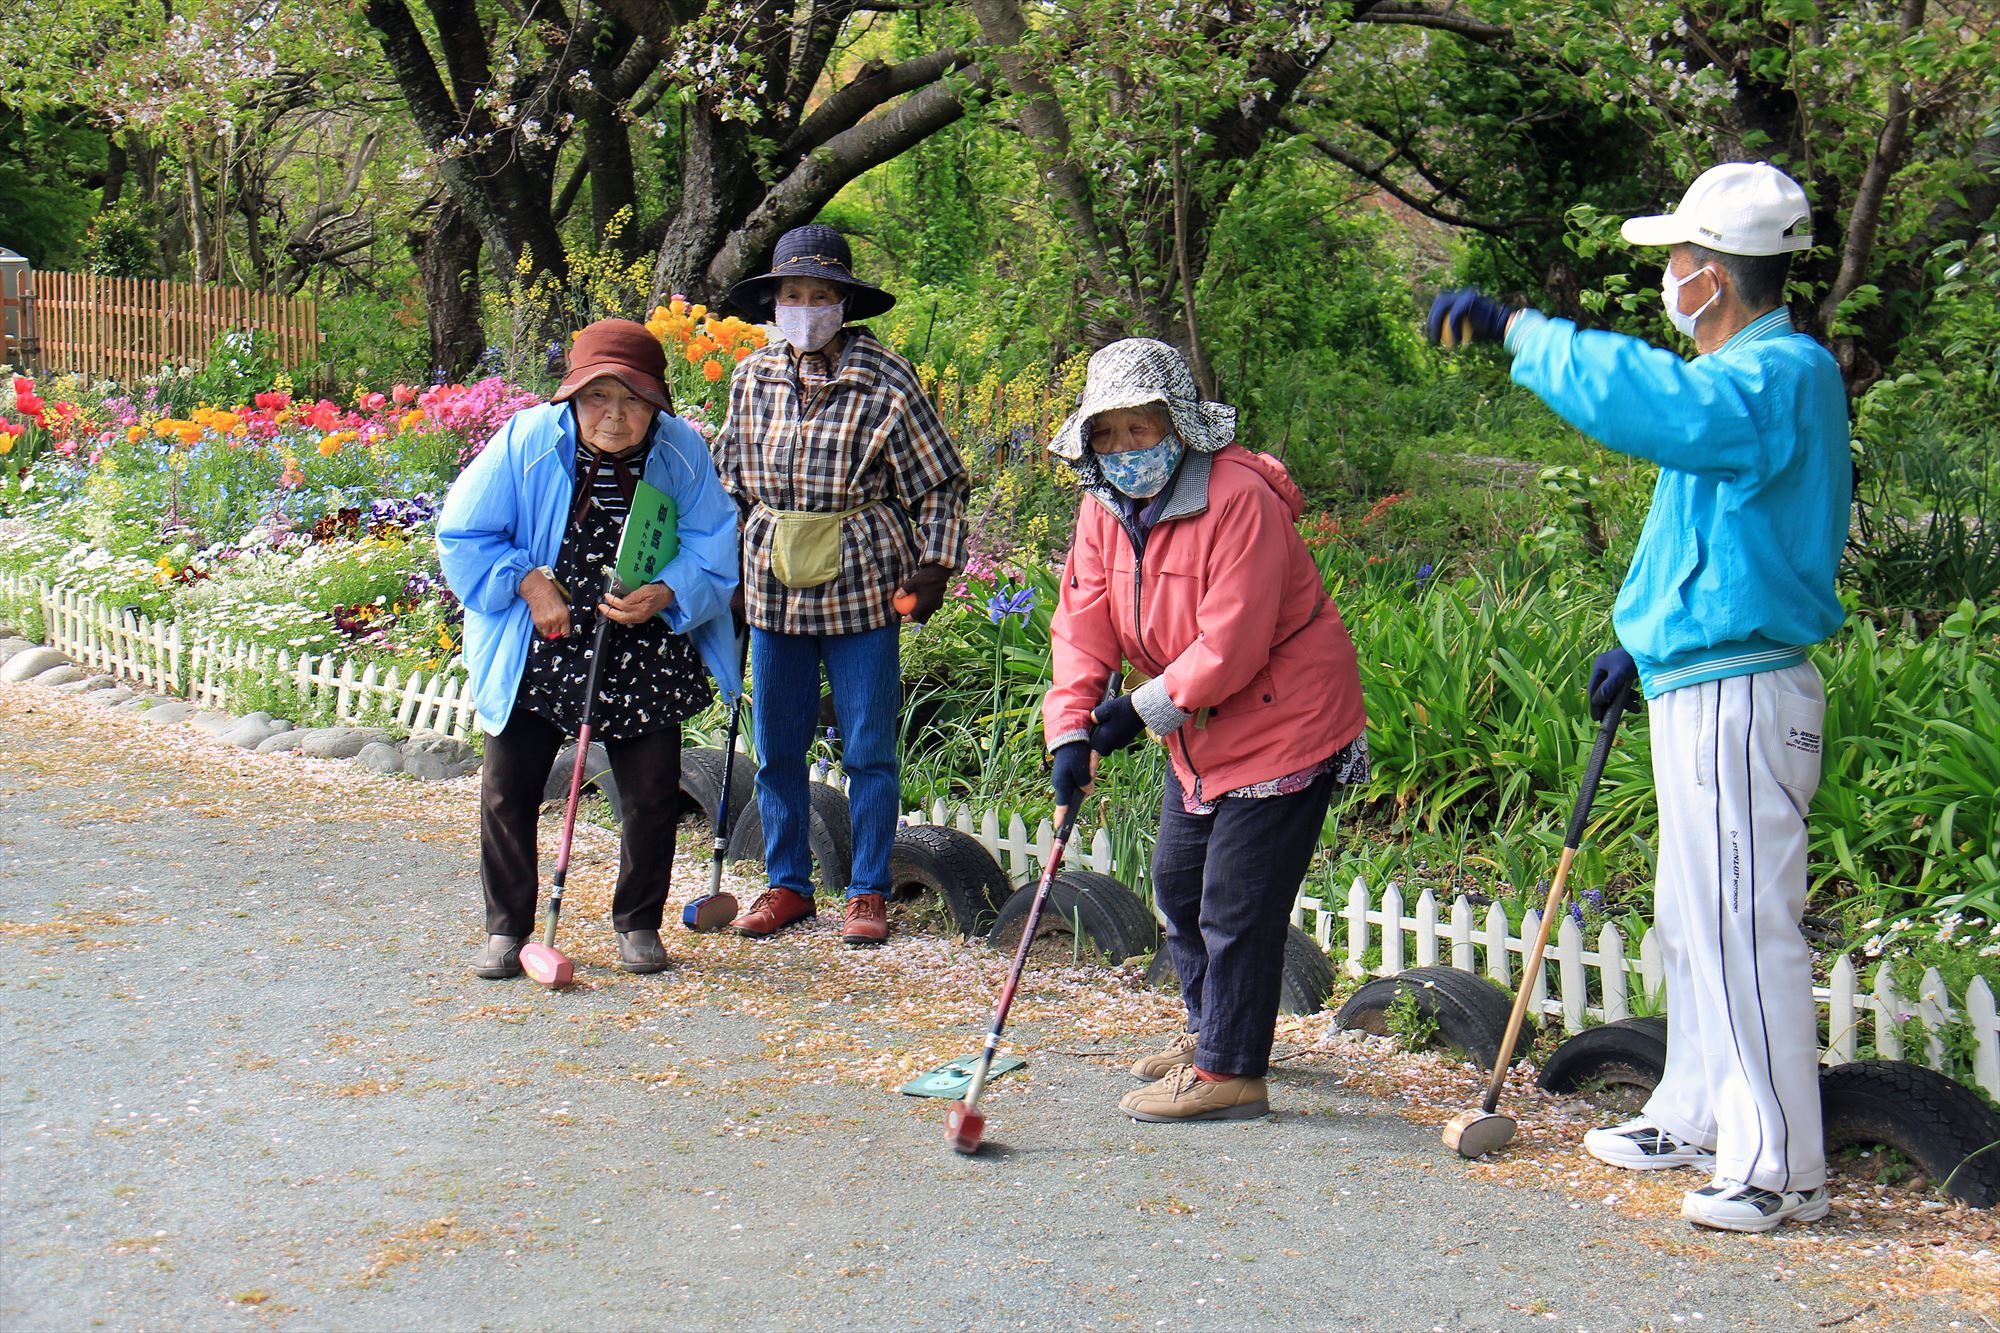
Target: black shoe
point(641, 951)
point(500, 959)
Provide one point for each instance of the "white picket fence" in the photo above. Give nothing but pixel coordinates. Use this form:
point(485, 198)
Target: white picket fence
point(158, 656)
point(1582, 981)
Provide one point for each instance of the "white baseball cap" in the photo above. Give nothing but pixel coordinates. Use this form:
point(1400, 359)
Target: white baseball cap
point(1739, 208)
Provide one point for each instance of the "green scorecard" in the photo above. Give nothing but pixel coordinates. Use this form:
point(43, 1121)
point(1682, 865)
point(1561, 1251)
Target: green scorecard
point(650, 539)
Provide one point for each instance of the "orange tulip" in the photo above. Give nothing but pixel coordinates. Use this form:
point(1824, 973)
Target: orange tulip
point(711, 371)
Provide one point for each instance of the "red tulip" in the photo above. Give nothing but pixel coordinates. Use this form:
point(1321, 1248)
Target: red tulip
point(28, 406)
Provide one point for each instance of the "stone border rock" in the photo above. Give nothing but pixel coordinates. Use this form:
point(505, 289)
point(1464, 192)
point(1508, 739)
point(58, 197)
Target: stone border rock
point(428, 756)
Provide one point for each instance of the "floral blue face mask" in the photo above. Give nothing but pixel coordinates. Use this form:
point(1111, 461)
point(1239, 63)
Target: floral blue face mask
point(1143, 473)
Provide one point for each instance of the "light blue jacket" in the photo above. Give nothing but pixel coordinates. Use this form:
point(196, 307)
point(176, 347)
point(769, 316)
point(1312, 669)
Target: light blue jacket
point(1734, 571)
point(506, 515)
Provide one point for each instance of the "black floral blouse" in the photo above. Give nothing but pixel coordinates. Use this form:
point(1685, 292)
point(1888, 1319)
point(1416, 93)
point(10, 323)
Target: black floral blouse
point(652, 678)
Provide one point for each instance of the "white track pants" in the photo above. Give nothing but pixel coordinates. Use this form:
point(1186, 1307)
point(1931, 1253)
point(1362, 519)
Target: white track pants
point(1735, 764)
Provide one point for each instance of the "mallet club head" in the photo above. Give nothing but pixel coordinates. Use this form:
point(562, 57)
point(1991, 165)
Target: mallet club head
point(1473, 1134)
point(709, 912)
point(546, 965)
point(963, 1127)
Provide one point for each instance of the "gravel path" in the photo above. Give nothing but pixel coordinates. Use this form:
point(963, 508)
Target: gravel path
point(247, 1080)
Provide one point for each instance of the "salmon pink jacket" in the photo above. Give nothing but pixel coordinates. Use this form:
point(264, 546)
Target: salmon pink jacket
point(1251, 674)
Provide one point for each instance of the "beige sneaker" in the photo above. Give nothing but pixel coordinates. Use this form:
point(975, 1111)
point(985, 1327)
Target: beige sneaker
point(1182, 1095)
point(1180, 1051)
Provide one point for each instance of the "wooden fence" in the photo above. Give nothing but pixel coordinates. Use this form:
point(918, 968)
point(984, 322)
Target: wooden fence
point(127, 328)
point(1582, 980)
point(209, 671)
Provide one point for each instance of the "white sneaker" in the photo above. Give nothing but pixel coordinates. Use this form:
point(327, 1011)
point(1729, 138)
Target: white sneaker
point(1731, 1205)
point(1641, 1145)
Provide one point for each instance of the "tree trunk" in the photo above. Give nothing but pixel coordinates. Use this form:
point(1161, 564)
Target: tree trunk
point(448, 257)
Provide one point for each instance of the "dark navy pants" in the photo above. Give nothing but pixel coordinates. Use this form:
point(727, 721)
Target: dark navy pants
point(1225, 883)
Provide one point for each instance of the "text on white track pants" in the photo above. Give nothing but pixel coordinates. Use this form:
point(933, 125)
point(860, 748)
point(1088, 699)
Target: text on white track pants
point(1735, 764)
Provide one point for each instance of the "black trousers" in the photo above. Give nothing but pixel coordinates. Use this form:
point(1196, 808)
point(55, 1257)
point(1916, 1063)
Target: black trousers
point(516, 772)
point(1225, 883)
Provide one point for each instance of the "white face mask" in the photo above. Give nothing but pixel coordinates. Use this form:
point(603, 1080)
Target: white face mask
point(1670, 289)
point(810, 327)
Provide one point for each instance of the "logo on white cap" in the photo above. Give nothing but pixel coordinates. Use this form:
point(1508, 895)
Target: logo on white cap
point(1739, 208)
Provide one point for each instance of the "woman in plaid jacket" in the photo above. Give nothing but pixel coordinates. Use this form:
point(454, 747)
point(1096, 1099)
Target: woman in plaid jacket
point(854, 505)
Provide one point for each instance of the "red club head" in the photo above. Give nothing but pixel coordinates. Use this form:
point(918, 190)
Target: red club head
point(545, 965)
point(963, 1127)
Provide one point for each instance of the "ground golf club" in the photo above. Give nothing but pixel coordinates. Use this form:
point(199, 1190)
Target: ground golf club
point(1475, 1133)
point(540, 959)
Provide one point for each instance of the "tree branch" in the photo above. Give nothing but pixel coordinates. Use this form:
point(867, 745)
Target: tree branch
point(1378, 175)
point(1436, 17)
point(874, 84)
point(815, 180)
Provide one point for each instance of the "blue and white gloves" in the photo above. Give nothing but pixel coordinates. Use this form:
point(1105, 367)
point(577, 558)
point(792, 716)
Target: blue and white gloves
point(1115, 724)
point(1610, 676)
point(1467, 316)
point(1072, 773)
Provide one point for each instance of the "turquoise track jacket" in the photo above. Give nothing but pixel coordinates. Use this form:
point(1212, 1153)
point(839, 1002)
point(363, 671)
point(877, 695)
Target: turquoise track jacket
point(1734, 572)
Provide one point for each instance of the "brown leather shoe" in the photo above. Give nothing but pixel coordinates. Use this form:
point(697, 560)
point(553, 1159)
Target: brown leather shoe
point(641, 951)
point(1179, 1051)
point(773, 911)
point(501, 958)
point(867, 920)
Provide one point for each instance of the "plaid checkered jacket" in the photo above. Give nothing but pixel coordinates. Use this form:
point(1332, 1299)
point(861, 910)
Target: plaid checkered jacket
point(868, 436)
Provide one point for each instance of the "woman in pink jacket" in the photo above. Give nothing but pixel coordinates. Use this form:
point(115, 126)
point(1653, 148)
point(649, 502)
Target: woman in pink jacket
point(1187, 564)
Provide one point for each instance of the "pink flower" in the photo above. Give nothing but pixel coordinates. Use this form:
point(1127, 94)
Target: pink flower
point(374, 402)
point(402, 395)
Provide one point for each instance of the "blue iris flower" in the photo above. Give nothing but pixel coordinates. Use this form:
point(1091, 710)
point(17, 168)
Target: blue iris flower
point(1001, 605)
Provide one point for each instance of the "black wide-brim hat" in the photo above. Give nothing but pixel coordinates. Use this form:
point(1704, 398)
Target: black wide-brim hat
point(811, 251)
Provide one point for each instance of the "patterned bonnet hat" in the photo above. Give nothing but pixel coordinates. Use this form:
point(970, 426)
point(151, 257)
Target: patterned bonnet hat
point(1132, 373)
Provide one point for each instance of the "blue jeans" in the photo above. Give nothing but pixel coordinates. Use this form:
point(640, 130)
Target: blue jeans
point(864, 671)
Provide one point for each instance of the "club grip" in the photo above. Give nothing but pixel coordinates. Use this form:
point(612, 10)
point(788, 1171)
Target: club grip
point(1607, 730)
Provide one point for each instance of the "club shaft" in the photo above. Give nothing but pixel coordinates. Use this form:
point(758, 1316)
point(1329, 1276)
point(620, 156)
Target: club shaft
point(1532, 970)
point(576, 771)
point(1020, 961)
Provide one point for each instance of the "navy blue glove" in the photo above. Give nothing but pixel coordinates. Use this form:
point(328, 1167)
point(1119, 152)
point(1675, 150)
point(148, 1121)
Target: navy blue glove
point(1610, 675)
point(1465, 316)
point(1117, 725)
point(1072, 773)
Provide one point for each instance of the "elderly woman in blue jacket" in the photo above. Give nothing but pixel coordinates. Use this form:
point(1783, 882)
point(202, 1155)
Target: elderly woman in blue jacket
point(525, 530)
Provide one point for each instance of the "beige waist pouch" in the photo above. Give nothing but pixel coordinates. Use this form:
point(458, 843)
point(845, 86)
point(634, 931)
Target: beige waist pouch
point(805, 545)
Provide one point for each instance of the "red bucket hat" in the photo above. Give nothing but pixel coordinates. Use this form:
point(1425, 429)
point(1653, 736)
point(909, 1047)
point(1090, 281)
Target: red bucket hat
point(624, 351)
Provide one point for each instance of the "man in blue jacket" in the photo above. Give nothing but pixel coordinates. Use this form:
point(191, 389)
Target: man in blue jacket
point(1732, 581)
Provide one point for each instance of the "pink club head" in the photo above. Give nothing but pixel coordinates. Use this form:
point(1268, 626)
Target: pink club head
point(546, 965)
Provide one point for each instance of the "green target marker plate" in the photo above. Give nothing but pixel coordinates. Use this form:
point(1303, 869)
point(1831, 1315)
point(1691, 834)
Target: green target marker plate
point(953, 1079)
